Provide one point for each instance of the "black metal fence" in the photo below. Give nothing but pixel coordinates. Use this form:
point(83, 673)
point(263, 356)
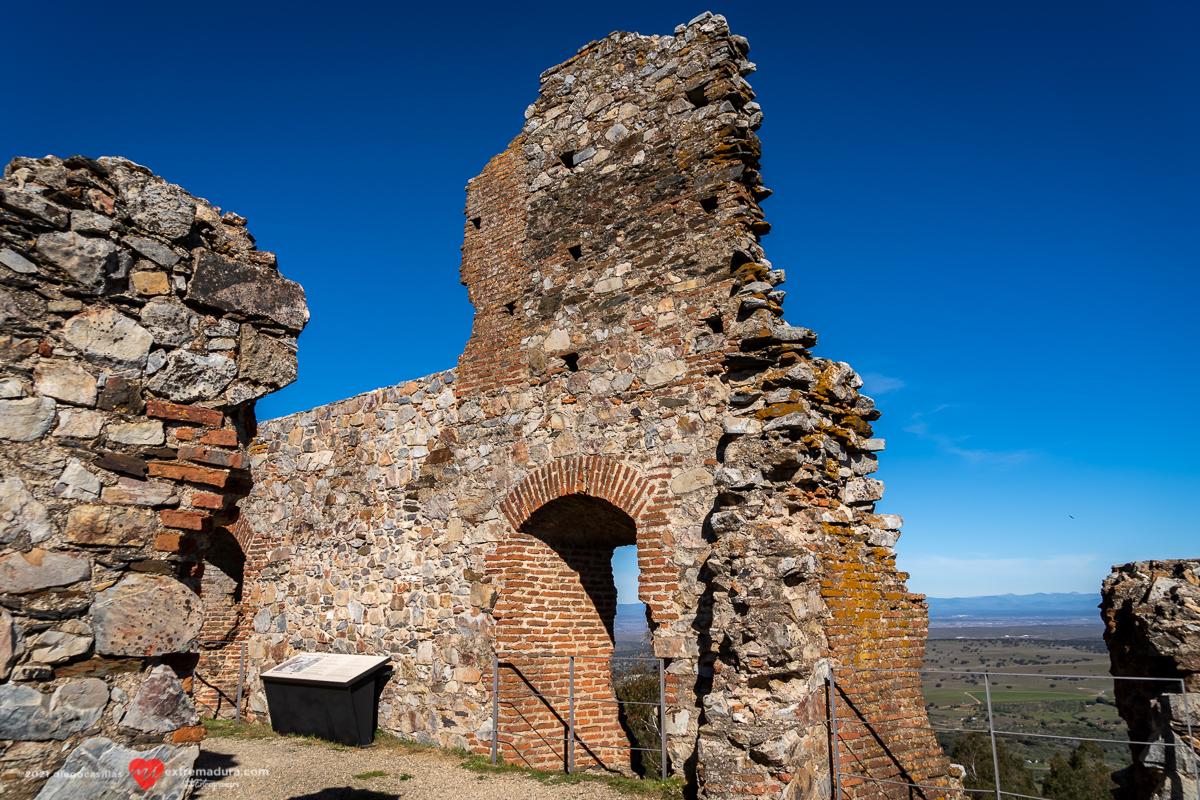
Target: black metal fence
point(570, 698)
point(991, 729)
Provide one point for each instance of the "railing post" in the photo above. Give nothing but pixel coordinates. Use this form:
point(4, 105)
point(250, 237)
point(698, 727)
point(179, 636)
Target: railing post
point(237, 709)
point(571, 722)
point(835, 745)
point(987, 689)
point(1191, 743)
point(495, 707)
point(662, 718)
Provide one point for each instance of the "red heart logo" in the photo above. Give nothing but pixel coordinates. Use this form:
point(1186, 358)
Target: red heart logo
point(146, 773)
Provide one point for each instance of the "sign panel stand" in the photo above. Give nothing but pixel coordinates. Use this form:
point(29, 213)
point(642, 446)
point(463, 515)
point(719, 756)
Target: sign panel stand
point(327, 695)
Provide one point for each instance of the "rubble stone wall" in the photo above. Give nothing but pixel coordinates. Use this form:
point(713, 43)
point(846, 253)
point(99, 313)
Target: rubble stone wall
point(629, 380)
point(1151, 613)
point(138, 325)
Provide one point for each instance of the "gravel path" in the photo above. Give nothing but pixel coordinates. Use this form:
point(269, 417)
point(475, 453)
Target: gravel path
point(285, 769)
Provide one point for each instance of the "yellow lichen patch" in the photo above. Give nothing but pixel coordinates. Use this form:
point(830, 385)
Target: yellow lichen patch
point(780, 409)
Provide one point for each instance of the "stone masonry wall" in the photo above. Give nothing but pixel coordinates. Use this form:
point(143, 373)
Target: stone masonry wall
point(138, 325)
point(629, 380)
point(1151, 613)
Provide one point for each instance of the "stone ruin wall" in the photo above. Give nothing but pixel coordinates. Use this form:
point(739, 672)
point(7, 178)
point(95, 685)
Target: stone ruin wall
point(138, 325)
point(1151, 613)
point(628, 380)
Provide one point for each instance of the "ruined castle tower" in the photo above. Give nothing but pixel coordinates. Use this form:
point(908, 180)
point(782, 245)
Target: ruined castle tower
point(629, 380)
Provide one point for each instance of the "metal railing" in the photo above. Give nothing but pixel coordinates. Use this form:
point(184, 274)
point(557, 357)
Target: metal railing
point(497, 660)
point(237, 705)
point(992, 732)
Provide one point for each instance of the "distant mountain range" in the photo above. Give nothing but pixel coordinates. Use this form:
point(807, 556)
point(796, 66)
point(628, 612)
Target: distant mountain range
point(1043, 608)
point(1042, 604)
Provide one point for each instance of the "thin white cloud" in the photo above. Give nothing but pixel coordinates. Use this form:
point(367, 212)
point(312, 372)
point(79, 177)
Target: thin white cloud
point(876, 384)
point(951, 445)
point(953, 576)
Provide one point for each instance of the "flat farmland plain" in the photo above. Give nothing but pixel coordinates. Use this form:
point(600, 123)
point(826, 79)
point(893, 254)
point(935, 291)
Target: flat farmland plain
point(1039, 687)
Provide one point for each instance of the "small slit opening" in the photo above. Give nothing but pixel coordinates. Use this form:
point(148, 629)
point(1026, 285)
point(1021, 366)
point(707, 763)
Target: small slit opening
point(476, 221)
point(567, 157)
point(511, 308)
point(576, 251)
point(709, 204)
point(572, 361)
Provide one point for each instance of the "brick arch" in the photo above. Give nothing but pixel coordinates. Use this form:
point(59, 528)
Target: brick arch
point(557, 599)
point(597, 476)
point(242, 531)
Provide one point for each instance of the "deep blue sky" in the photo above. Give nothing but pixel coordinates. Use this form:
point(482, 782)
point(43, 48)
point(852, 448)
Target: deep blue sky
point(989, 209)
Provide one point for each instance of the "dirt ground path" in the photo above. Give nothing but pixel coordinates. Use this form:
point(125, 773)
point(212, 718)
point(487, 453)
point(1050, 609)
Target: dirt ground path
point(297, 769)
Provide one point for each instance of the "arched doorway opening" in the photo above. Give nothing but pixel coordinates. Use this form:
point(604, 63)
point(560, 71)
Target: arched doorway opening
point(560, 600)
point(216, 674)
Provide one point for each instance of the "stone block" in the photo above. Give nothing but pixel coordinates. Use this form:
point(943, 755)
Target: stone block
point(136, 433)
point(20, 512)
point(109, 527)
point(151, 284)
point(65, 381)
point(146, 615)
point(27, 419)
point(27, 714)
point(101, 768)
point(21, 573)
point(78, 423)
point(132, 492)
point(242, 289)
point(109, 339)
point(161, 705)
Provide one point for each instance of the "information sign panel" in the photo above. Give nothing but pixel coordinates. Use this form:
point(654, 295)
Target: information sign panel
point(325, 667)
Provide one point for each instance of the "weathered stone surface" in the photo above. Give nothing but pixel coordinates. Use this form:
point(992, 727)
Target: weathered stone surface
point(691, 480)
point(27, 714)
point(21, 573)
point(91, 262)
point(109, 339)
point(26, 420)
point(163, 208)
point(158, 253)
point(30, 204)
point(1151, 612)
point(146, 615)
point(264, 361)
point(17, 262)
point(20, 512)
point(170, 322)
point(151, 284)
point(232, 286)
point(8, 643)
point(862, 490)
point(113, 527)
point(90, 222)
point(161, 705)
point(78, 423)
point(189, 377)
point(100, 769)
point(136, 433)
point(76, 483)
point(72, 639)
point(12, 389)
point(73, 347)
point(132, 492)
point(665, 373)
